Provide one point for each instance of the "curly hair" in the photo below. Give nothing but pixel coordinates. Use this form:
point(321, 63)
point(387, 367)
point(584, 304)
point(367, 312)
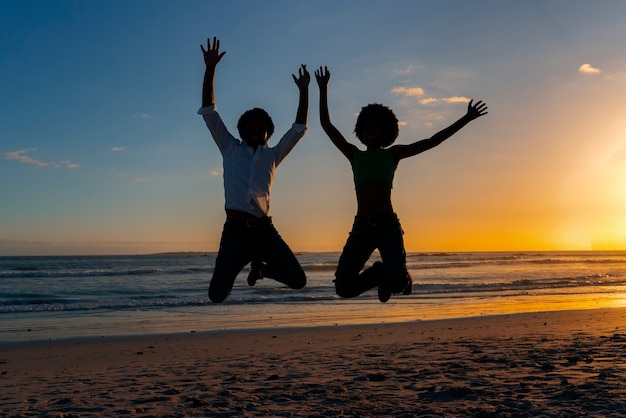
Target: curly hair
point(386, 117)
point(256, 113)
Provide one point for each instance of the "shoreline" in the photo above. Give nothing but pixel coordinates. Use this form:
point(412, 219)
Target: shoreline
point(558, 363)
point(61, 325)
point(298, 327)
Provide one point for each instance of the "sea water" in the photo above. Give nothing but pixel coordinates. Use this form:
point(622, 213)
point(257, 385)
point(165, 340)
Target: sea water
point(71, 296)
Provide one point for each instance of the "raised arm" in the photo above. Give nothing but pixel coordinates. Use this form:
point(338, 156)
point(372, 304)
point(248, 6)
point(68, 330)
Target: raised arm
point(302, 81)
point(323, 78)
point(212, 56)
point(474, 111)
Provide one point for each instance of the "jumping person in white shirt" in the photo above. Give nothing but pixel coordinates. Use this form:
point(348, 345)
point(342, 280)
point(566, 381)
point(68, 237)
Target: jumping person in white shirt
point(249, 165)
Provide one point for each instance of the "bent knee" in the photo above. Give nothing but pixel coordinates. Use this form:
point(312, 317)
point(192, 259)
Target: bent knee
point(299, 282)
point(343, 288)
point(217, 298)
point(218, 295)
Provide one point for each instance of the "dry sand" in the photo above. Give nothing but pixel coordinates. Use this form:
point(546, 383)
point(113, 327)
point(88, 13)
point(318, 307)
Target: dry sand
point(568, 363)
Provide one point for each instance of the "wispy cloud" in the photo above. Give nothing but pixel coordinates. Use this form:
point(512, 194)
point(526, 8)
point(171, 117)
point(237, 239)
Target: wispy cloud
point(216, 172)
point(141, 179)
point(434, 117)
point(588, 69)
point(456, 99)
point(419, 93)
point(143, 116)
point(428, 100)
point(430, 119)
point(66, 164)
point(118, 149)
point(453, 99)
point(22, 157)
point(611, 76)
point(409, 69)
point(408, 91)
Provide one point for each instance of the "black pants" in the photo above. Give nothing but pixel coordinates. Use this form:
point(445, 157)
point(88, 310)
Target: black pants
point(382, 232)
point(243, 240)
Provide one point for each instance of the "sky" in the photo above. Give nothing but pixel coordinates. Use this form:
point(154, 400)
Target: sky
point(102, 152)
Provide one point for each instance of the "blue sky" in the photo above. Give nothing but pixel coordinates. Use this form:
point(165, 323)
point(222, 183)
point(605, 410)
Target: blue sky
point(101, 150)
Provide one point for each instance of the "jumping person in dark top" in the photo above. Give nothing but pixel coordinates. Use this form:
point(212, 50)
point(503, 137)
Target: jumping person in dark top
point(249, 235)
point(376, 226)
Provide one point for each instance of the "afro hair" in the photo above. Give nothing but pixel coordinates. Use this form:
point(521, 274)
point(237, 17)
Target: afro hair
point(386, 117)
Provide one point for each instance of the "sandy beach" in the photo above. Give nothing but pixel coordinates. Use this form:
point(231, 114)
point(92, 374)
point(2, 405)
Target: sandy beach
point(565, 363)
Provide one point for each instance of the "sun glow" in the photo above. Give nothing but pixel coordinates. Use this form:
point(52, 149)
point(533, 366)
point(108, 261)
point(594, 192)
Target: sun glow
point(609, 230)
point(596, 199)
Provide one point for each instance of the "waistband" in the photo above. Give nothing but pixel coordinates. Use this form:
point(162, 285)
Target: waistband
point(382, 219)
point(250, 222)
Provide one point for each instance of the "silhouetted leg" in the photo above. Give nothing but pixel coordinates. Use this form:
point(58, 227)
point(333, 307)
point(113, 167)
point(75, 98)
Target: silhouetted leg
point(393, 255)
point(233, 255)
point(256, 265)
point(349, 281)
point(281, 263)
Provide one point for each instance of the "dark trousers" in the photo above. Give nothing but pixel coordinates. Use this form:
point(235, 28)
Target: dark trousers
point(382, 232)
point(245, 240)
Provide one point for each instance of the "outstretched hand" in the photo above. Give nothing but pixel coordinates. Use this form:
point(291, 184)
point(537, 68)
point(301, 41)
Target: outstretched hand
point(212, 55)
point(322, 76)
point(303, 79)
point(476, 110)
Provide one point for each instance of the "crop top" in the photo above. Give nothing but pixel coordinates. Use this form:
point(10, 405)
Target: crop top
point(373, 164)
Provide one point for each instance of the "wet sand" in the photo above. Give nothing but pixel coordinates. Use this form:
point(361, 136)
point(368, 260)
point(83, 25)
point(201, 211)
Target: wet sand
point(563, 363)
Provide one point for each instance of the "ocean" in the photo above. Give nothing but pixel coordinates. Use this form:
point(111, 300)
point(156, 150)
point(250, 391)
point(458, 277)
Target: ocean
point(46, 298)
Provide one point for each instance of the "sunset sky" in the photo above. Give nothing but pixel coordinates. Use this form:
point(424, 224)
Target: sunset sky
point(102, 152)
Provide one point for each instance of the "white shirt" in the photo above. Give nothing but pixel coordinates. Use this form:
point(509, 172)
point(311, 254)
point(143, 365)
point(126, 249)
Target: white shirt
point(248, 175)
